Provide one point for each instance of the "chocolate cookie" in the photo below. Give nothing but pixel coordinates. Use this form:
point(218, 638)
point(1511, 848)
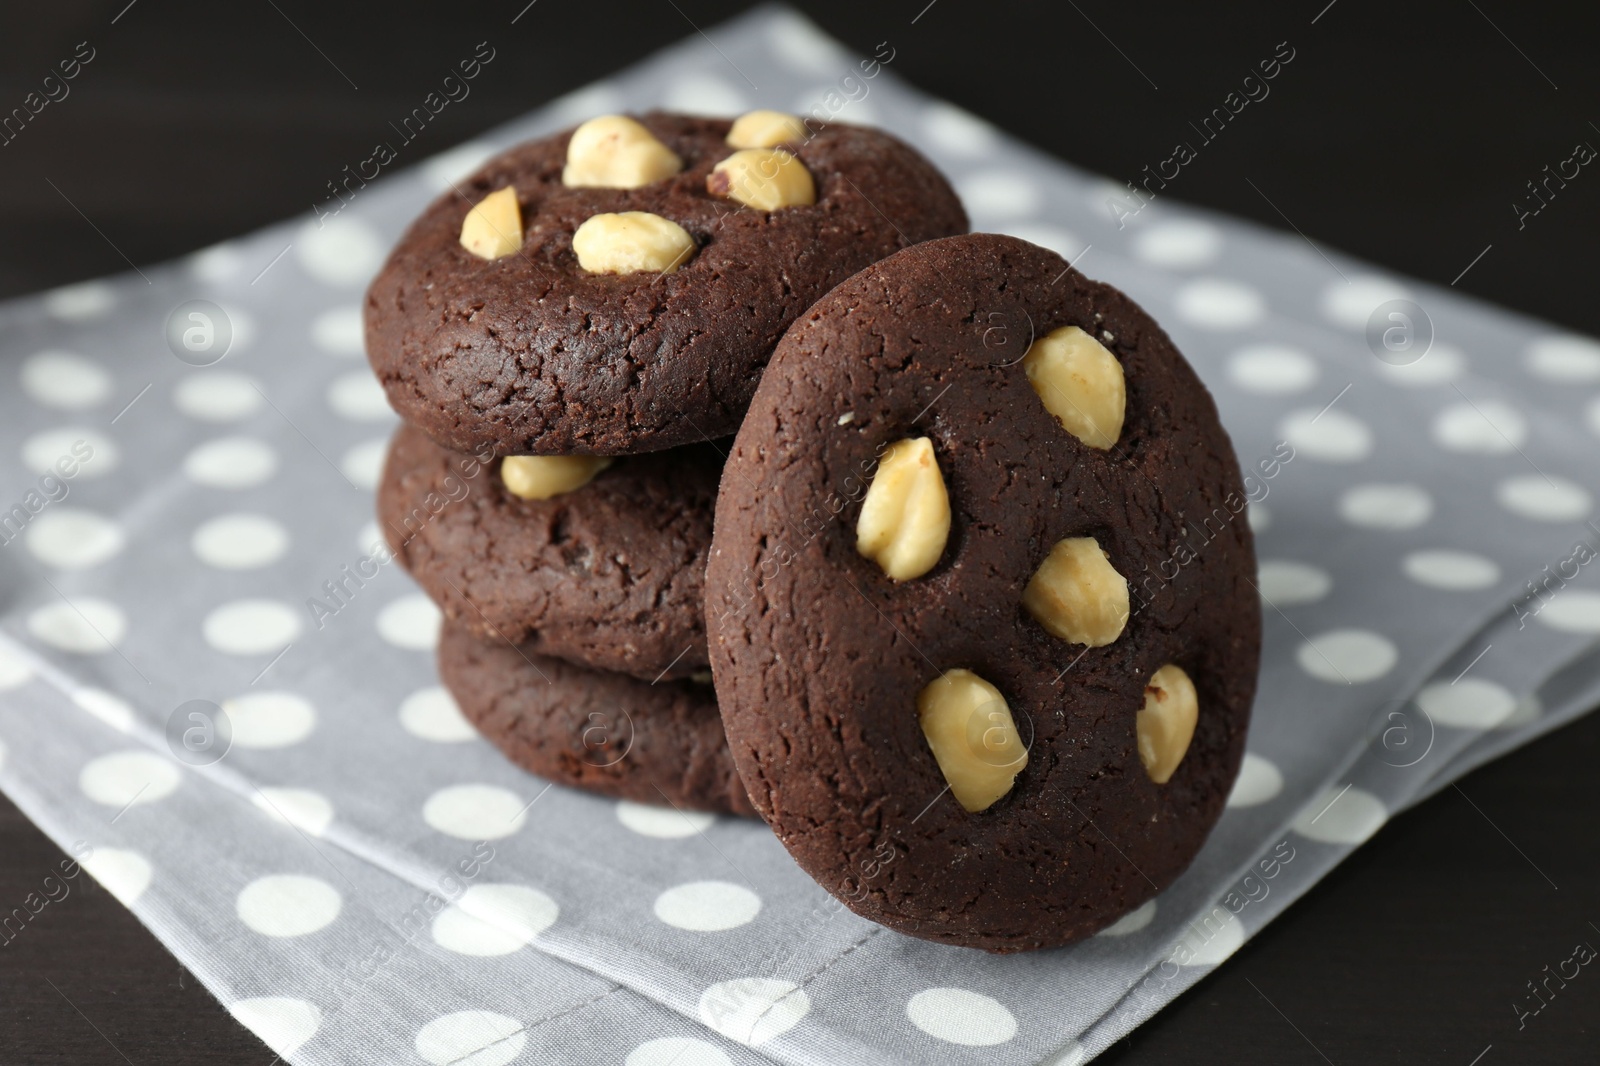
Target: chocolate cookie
point(982, 622)
point(589, 729)
point(609, 574)
point(488, 332)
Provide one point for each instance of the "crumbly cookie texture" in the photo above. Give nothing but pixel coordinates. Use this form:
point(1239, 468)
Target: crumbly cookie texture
point(602, 732)
point(590, 335)
point(1040, 726)
point(608, 572)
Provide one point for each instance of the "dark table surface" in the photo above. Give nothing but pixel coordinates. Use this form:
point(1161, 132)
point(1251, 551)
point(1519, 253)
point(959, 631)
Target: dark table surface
point(1405, 136)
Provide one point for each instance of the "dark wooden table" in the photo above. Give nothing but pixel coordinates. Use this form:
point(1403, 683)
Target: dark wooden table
point(1405, 136)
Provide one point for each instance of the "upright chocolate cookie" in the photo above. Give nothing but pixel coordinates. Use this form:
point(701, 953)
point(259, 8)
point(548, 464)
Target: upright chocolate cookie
point(625, 292)
point(599, 731)
point(608, 574)
point(980, 603)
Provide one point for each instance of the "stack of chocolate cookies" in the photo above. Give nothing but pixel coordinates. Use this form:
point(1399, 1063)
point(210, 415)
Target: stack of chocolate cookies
point(964, 608)
point(571, 335)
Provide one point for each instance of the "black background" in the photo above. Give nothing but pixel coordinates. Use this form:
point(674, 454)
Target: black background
point(1403, 133)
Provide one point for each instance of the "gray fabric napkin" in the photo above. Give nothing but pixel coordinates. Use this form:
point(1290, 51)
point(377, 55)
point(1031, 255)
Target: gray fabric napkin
point(361, 879)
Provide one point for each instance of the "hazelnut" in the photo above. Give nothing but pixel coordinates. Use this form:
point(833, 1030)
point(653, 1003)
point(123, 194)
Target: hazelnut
point(1077, 595)
point(1080, 383)
point(1166, 724)
point(763, 178)
point(493, 228)
point(905, 516)
point(630, 243)
point(616, 152)
point(766, 129)
point(539, 477)
point(974, 740)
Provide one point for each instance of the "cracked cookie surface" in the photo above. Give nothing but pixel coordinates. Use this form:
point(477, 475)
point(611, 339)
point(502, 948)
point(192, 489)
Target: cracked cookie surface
point(609, 575)
point(660, 744)
point(530, 354)
point(819, 655)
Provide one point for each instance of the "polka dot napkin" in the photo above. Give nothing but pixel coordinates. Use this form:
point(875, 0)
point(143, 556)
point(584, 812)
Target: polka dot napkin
point(359, 878)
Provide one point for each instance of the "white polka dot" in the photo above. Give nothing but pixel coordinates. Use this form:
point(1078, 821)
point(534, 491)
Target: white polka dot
point(449, 169)
point(339, 330)
point(124, 874)
point(1442, 364)
point(1543, 499)
point(1179, 244)
point(801, 47)
point(432, 714)
point(358, 397)
point(1062, 242)
point(285, 905)
point(282, 1023)
point(270, 719)
point(956, 131)
point(111, 709)
point(997, 194)
point(81, 302)
point(65, 380)
point(475, 812)
point(339, 251)
point(369, 539)
point(1272, 369)
point(308, 811)
point(363, 464)
point(251, 627)
point(411, 622)
point(1283, 582)
point(707, 906)
point(86, 626)
point(1565, 359)
point(1341, 815)
point(1210, 940)
point(703, 94)
point(217, 396)
point(1259, 517)
point(231, 463)
point(1527, 711)
point(677, 1051)
point(1216, 303)
point(1132, 922)
point(471, 1038)
point(1453, 570)
point(494, 920)
point(1572, 611)
point(240, 542)
point(1386, 506)
point(129, 778)
point(1351, 303)
point(958, 1016)
point(753, 1010)
point(70, 538)
point(1487, 427)
point(1347, 655)
point(216, 263)
point(665, 823)
point(93, 454)
point(1467, 703)
point(1259, 782)
point(1329, 435)
point(14, 669)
